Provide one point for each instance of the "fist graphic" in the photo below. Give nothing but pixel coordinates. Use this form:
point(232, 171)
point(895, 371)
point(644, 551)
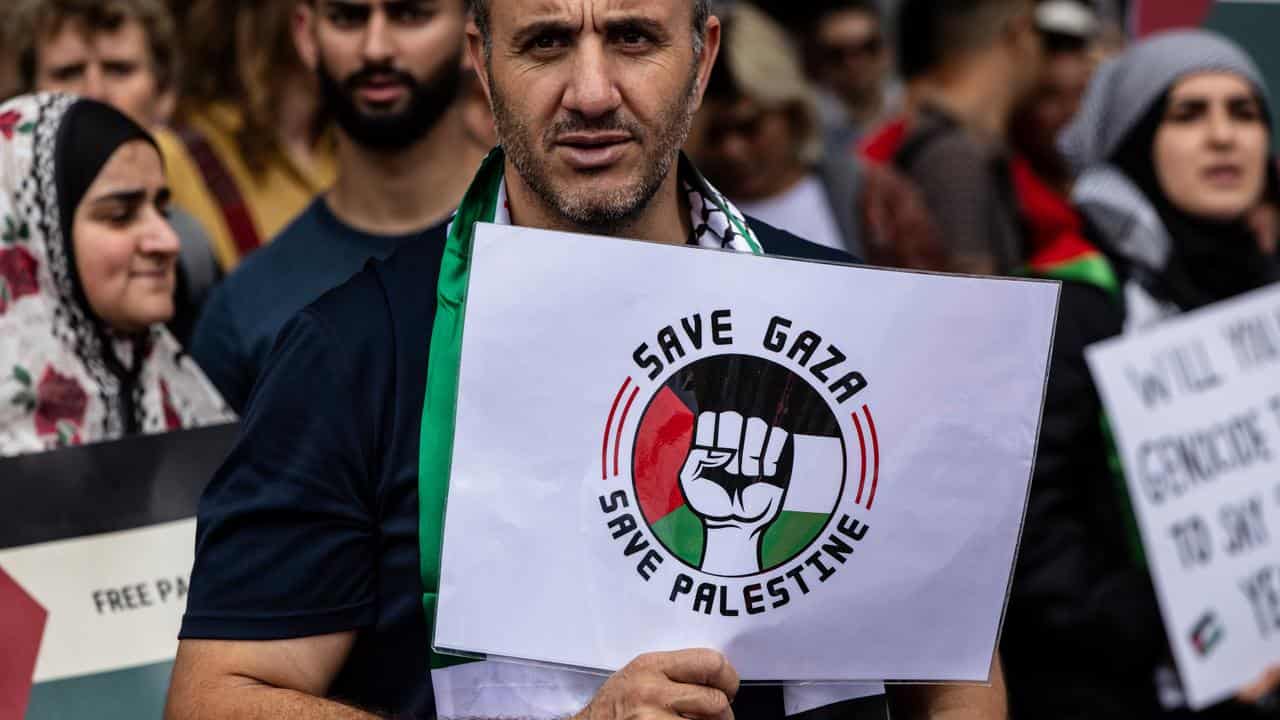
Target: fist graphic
point(734, 479)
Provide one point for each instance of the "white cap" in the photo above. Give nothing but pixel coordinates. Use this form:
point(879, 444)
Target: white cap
point(1067, 17)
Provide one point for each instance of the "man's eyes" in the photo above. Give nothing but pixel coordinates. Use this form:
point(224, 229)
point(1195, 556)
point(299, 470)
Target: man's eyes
point(67, 73)
point(630, 40)
point(408, 14)
point(120, 69)
point(351, 17)
point(549, 41)
point(347, 16)
point(633, 38)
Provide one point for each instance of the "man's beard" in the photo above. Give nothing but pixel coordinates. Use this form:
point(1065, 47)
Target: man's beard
point(428, 101)
point(584, 208)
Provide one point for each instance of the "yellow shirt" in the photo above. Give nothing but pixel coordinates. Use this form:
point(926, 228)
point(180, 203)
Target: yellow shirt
point(271, 198)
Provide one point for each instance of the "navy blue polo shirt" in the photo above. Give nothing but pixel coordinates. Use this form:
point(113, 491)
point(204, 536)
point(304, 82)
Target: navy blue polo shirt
point(311, 526)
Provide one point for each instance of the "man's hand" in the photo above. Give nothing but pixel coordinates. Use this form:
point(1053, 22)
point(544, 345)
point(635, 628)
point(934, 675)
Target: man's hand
point(732, 480)
point(1259, 689)
point(685, 683)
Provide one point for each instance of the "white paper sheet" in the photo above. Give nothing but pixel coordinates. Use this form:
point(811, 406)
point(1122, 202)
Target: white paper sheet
point(908, 404)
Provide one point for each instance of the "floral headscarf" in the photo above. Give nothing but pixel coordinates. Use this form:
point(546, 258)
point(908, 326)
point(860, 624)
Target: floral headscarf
point(65, 378)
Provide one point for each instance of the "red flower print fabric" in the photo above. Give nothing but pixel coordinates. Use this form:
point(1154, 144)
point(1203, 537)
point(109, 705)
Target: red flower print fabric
point(17, 275)
point(60, 407)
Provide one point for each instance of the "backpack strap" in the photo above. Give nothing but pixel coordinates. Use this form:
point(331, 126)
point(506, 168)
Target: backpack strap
point(235, 210)
point(936, 125)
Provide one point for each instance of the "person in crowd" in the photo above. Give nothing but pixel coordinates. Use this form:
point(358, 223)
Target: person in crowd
point(973, 62)
point(121, 52)
point(758, 137)
point(252, 146)
point(1173, 140)
point(1060, 243)
point(393, 80)
point(848, 55)
point(1069, 29)
point(316, 569)
point(86, 282)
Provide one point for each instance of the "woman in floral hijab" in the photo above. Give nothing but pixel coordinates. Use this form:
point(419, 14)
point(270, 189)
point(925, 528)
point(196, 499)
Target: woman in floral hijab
point(86, 281)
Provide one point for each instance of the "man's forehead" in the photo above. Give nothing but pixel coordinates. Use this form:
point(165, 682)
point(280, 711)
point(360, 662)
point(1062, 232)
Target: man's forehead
point(523, 12)
point(849, 22)
point(76, 29)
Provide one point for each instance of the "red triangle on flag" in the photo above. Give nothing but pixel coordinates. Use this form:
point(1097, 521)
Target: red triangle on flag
point(22, 622)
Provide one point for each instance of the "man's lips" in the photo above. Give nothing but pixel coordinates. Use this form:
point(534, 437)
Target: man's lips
point(381, 92)
point(593, 151)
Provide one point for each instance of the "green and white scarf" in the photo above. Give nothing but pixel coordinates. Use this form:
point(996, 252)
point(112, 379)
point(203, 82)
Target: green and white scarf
point(503, 688)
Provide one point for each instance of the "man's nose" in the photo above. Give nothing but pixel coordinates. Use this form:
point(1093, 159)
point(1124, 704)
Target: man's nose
point(378, 45)
point(93, 86)
point(592, 91)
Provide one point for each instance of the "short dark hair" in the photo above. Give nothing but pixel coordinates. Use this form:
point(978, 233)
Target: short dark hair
point(822, 9)
point(479, 10)
point(34, 21)
point(930, 32)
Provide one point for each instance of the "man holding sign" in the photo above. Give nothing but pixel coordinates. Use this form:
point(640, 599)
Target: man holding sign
point(318, 548)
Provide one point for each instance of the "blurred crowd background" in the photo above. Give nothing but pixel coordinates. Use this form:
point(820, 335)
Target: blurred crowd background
point(1068, 139)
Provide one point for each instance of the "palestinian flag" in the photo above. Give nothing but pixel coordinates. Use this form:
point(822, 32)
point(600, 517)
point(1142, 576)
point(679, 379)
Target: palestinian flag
point(811, 469)
point(1060, 250)
point(96, 544)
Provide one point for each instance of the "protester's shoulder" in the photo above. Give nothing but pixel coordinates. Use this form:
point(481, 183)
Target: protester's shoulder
point(262, 270)
point(414, 265)
point(385, 294)
point(940, 142)
point(779, 242)
point(1087, 314)
point(292, 240)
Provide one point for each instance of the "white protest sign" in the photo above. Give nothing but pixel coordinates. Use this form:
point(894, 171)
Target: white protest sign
point(820, 470)
point(1194, 405)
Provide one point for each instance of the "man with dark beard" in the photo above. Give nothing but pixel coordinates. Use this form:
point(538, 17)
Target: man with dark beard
point(390, 73)
point(317, 560)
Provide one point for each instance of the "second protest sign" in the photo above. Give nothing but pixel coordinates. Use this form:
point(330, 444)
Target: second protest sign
point(1195, 408)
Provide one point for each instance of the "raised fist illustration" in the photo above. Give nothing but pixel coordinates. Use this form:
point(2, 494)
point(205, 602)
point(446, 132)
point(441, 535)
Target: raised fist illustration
point(734, 479)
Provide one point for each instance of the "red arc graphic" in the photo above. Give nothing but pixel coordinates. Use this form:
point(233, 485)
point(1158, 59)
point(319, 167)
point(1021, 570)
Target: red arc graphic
point(875, 455)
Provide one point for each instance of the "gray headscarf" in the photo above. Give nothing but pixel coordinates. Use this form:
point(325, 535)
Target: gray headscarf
point(1125, 88)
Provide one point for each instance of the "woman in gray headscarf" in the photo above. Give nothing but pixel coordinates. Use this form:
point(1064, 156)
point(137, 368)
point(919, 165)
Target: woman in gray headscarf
point(1173, 141)
point(1173, 144)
